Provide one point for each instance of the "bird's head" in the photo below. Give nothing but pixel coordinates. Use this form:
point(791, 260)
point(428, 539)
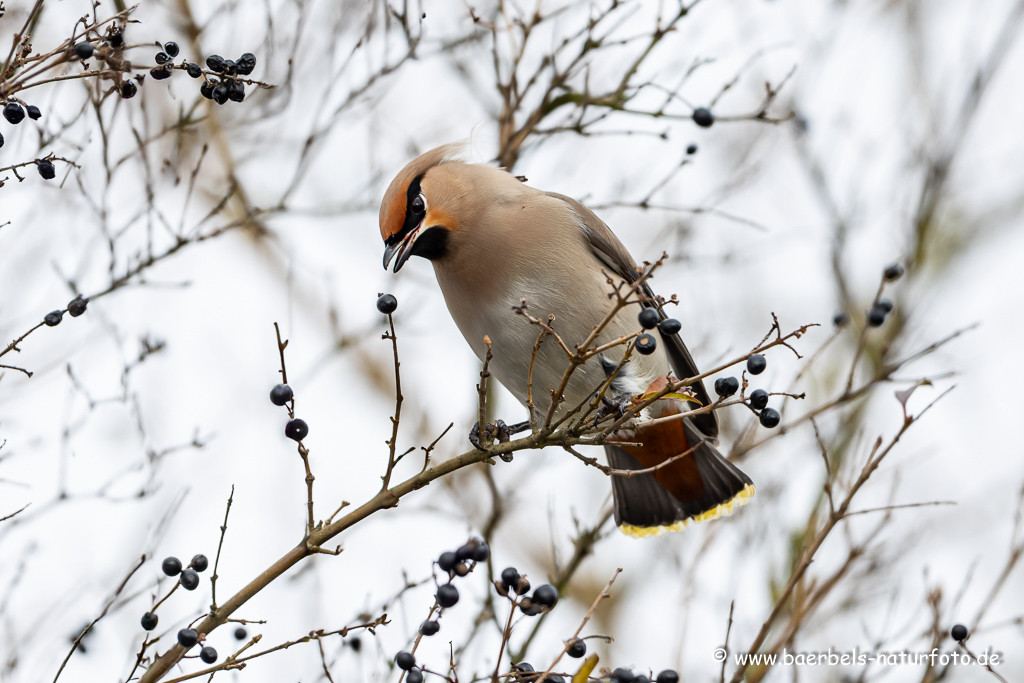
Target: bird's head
point(416, 215)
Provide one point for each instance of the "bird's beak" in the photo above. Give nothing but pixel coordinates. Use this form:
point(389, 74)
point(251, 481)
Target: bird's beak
point(402, 249)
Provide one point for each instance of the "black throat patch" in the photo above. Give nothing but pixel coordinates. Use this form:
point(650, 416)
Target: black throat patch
point(432, 243)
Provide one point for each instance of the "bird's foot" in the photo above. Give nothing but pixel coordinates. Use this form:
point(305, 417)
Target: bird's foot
point(496, 430)
point(612, 407)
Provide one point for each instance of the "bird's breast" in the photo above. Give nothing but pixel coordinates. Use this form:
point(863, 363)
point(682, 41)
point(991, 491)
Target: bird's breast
point(578, 300)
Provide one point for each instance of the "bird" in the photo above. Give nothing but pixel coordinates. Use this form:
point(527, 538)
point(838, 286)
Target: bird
point(495, 241)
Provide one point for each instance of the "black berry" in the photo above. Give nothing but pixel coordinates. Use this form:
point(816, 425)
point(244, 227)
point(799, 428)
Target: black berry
point(414, 676)
point(770, 418)
point(208, 655)
point(465, 552)
point(206, 89)
point(726, 386)
point(194, 70)
point(160, 73)
point(840, 319)
point(668, 676)
point(14, 113)
point(116, 39)
point(691, 149)
point(876, 316)
point(758, 399)
point(216, 63)
point(703, 117)
point(523, 667)
point(355, 643)
point(172, 49)
point(670, 326)
point(885, 305)
point(641, 678)
point(240, 633)
point(1, 139)
point(171, 566)
point(187, 637)
point(481, 552)
point(577, 648)
point(447, 595)
point(162, 58)
point(959, 632)
point(756, 364)
point(281, 394)
point(149, 621)
point(128, 90)
point(648, 318)
point(546, 595)
point(387, 304)
point(230, 67)
point(429, 628)
point(646, 344)
point(189, 579)
point(894, 272)
point(554, 678)
point(52, 319)
point(76, 306)
point(246, 63)
point(84, 50)
point(509, 577)
point(296, 429)
point(623, 675)
point(447, 561)
point(33, 112)
point(236, 91)
point(46, 169)
point(220, 94)
point(199, 563)
point(405, 660)
point(523, 586)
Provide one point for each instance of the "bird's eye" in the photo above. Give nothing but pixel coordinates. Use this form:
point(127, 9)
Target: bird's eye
point(418, 205)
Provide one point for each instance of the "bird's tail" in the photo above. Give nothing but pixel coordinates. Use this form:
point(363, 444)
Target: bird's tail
point(696, 487)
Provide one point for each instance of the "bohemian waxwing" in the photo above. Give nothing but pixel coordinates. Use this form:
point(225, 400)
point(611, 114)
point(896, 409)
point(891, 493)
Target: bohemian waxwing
point(494, 241)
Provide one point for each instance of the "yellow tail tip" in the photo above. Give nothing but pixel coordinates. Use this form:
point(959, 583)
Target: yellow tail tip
point(737, 501)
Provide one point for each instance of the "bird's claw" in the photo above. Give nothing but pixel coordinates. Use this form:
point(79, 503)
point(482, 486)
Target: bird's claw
point(495, 430)
point(612, 406)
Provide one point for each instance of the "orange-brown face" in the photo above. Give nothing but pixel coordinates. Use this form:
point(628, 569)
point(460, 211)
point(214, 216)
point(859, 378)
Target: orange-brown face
point(409, 225)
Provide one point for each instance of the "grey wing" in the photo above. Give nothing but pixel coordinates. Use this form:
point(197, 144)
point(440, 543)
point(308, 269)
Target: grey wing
point(611, 252)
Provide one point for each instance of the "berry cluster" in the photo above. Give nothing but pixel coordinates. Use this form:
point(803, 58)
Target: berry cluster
point(758, 399)
point(228, 87)
point(15, 113)
point(188, 577)
point(881, 308)
point(512, 585)
point(455, 563)
point(649, 318)
point(406, 661)
point(878, 312)
point(163, 58)
point(188, 637)
point(282, 395)
point(76, 307)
